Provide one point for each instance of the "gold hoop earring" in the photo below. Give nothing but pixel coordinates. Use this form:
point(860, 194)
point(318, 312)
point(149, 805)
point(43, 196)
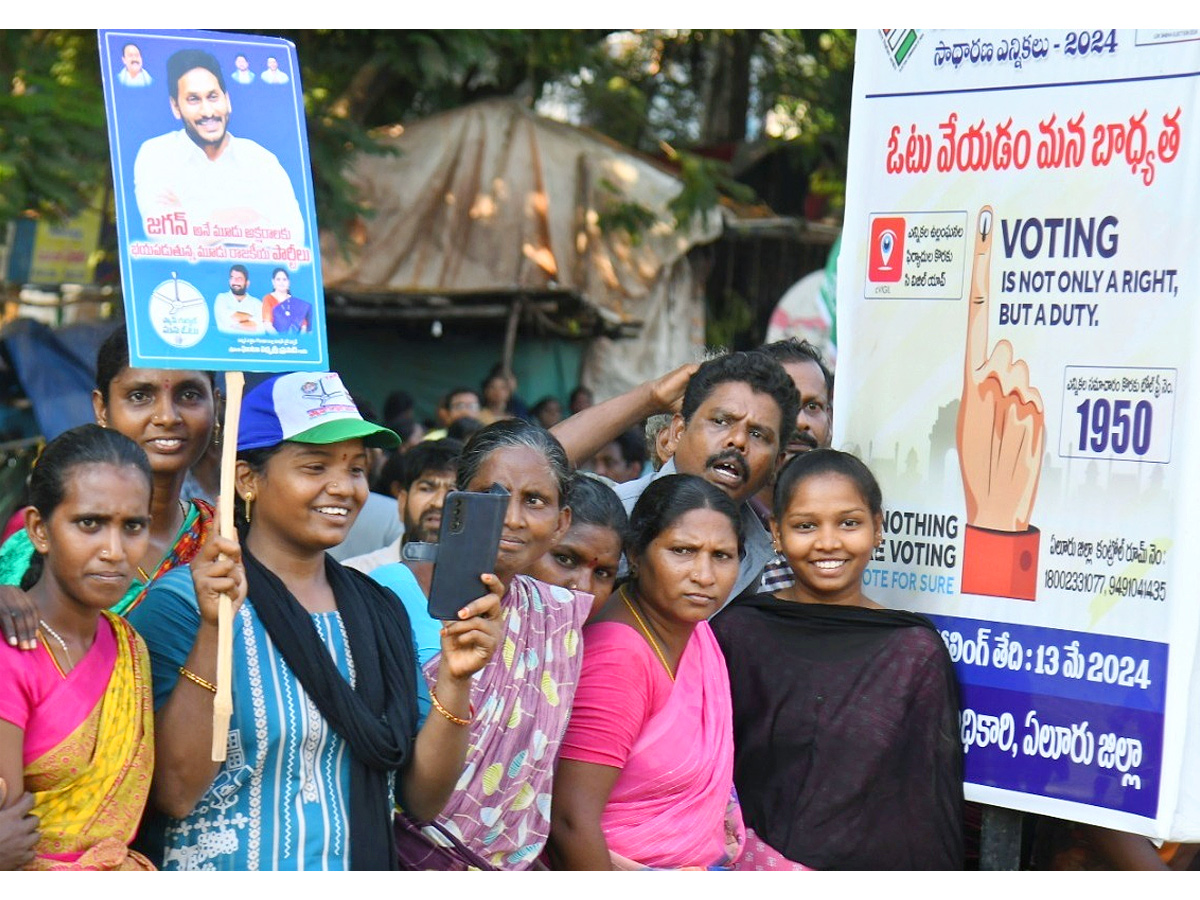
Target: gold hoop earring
point(249, 499)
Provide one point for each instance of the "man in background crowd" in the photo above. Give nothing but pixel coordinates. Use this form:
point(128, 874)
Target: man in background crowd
point(427, 474)
point(457, 403)
point(623, 459)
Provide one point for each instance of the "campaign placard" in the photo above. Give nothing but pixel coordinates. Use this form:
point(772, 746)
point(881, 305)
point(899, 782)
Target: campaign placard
point(215, 214)
point(1017, 311)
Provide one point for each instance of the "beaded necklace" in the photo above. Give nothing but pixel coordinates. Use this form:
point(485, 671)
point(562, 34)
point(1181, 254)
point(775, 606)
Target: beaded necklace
point(45, 627)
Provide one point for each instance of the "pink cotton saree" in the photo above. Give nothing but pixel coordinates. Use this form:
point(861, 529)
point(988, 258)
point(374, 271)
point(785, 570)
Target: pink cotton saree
point(673, 805)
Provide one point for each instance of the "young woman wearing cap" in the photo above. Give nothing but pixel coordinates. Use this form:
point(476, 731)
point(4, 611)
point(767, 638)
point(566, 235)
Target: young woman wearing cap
point(324, 679)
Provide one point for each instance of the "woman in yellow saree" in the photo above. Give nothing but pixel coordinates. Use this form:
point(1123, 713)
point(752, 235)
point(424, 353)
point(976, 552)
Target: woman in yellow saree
point(76, 718)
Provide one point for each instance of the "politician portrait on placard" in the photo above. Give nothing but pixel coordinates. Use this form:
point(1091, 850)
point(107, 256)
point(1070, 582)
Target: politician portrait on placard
point(213, 196)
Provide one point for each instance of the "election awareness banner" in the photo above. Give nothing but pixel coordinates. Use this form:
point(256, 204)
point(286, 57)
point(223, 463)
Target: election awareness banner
point(214, 201)
point(1017, 310)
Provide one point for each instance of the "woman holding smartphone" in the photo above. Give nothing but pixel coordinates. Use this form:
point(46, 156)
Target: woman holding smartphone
point(501, 811)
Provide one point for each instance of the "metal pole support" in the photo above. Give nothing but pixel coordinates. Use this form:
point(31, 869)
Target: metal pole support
point(1000, 839)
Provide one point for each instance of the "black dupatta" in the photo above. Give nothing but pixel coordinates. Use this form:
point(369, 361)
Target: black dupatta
point(377, 717)
point(847, 750)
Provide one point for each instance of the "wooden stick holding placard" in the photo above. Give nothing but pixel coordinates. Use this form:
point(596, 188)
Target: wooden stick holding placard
point(223, 702)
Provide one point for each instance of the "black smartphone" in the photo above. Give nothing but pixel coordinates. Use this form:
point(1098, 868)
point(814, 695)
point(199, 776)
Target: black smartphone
point(468, 540)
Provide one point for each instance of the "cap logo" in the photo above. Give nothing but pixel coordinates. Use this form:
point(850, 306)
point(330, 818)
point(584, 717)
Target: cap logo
point(325, 402)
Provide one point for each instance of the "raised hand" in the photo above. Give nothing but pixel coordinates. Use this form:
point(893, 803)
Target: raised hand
point(668, 390)
point(18, 618)
point(217, 569)
point(18, 830)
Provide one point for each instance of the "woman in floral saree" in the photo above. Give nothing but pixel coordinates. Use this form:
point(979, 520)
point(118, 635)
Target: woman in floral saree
point(500, 811)
point(76, 720)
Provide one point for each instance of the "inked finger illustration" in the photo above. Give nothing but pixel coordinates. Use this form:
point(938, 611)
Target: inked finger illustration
point(1001, 435)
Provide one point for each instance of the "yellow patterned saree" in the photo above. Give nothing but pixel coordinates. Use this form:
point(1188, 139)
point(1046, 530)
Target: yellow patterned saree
point(89, 756)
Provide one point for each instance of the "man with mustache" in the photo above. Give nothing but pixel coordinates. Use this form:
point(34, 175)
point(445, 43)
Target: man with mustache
point(806, 366)
point(206, 173)
point(738, 413)
point(427, 474)
point(133, 75)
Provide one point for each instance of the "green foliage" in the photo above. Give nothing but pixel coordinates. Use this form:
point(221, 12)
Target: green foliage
point(638, 87)
point(648, 89)
point(618, 214)
point(383, 77)
point(355, 81)
point(53, 143)
point(805, 84)
point(704, 182)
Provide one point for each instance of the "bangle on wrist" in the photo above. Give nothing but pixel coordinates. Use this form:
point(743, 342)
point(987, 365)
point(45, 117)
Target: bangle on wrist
point(196, 679)
point(449, 715)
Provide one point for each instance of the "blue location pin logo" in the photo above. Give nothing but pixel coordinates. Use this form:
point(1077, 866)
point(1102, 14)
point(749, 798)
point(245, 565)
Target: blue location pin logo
point(887, 243)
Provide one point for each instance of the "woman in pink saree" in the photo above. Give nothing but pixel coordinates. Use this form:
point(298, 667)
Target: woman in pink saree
point(645, 773)
point(76, 720)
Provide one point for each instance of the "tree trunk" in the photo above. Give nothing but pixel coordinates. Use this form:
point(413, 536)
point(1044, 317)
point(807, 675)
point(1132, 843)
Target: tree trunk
point(726, 83)
point(367, 85)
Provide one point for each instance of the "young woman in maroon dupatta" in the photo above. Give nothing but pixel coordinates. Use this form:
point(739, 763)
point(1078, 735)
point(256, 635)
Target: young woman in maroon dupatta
point(845, 714)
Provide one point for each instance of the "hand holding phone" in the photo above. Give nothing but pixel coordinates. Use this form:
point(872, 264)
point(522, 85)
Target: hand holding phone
point(468, 540)
point(470, 641)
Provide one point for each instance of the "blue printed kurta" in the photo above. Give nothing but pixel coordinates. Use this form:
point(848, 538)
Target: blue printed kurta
point(281, 798)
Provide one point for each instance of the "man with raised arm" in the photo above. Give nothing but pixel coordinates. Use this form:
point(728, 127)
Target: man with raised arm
point(738, 413)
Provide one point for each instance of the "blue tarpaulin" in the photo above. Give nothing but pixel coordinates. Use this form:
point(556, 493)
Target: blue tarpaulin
point(56, 368)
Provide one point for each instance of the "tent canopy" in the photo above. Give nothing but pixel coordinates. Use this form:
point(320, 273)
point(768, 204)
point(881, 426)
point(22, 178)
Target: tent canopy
point(492, 199)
